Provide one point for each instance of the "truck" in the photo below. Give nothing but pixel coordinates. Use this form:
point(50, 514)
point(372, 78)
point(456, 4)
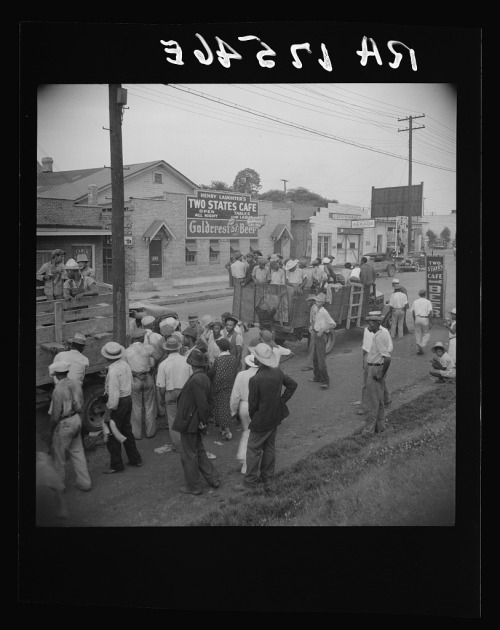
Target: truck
point(349, 306)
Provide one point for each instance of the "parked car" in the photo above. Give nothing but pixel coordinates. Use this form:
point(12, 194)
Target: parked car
point(439, 243)
point(383, 263)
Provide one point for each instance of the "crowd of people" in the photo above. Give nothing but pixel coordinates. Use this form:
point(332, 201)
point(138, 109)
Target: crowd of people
point(204, 373)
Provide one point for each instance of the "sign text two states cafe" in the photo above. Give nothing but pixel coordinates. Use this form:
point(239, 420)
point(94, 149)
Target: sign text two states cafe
point(212, 214)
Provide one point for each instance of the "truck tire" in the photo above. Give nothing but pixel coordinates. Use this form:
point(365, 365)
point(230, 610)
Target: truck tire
point(391, 270)
point(93, 409)
point(330, 341)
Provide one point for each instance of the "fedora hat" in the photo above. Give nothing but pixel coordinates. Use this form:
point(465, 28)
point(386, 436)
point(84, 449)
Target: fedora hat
point(71, 264)
point(193, 317)
point(113, 350)
point(422, 292)
point(395, 281)
point(249, 360)
point(311, 296)
point(172, 344)
point(223, 343)
point(79, 338)
point(59, 367)
point(266, 336)
point(232, 318)
point(374, 318)
point(265, 355)
point(197, 358)
point(138, 333)
point(438, 344)
point(206, 320)
point(291, 264)
point(325, 260)
point(82, 258)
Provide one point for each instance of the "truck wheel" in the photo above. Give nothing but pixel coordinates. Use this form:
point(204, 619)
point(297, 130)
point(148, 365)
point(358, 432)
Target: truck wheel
point(93, 409)
point(391, 270)
point(330, 341)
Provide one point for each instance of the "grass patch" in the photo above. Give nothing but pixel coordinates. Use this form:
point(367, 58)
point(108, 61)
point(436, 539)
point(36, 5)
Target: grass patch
point(362, 480)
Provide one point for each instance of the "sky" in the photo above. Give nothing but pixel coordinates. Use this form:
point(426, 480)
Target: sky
point(336, 139)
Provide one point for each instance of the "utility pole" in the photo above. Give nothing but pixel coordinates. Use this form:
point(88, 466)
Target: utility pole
point(284, 184)
point(410, 129)
point(117, 99)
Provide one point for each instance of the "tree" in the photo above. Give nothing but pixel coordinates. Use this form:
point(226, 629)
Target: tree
point(274, 195)
point(307, 197)
point(216, 184)
point(247, 181)
point(446, 234)
point(431, 236)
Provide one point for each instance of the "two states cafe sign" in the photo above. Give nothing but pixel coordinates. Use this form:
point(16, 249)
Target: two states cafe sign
point(212, 214)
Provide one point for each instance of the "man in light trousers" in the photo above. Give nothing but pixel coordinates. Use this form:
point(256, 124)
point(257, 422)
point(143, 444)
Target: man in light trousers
point(422, 320)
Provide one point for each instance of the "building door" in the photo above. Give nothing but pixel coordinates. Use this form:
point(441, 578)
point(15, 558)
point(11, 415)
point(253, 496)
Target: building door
point(379, 242)
point(277, 246)
point(155, 258)
point(107, 261)
point(347, 249)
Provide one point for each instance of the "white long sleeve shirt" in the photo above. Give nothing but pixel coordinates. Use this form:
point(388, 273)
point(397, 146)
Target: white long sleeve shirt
point(239, 392)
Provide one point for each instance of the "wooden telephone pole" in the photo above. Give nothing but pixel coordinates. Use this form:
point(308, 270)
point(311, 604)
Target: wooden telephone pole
point(117, 99)
point(410, 201)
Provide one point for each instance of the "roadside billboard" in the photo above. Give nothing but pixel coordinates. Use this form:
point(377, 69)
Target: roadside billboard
point(436, 284)
point(214, 214)
point(393, 201)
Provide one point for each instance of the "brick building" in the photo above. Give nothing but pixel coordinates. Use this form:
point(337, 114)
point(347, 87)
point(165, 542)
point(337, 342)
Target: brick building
point(74, 213)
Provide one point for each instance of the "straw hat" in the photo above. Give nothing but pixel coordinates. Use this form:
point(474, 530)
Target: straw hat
point(438, 344)
point(59, 367)
point(79, 338)
point(291, 264)
point(172, 344)
point(113, 350)
point(146, 321)
point(325, 260)
point(71, 264)
point(249, 360)
point(138, 333)
point(206, 320)
point(265, 355)
point(82, 258)
point(395, 281)
point(454, 311)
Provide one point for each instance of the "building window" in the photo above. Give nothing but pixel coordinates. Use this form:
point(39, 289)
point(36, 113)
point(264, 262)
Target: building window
point(234, 246)
point(324, 245)
point(352, 245)
point(191, 251)
point(340, 245)
point(158, 178)
point(214, 257)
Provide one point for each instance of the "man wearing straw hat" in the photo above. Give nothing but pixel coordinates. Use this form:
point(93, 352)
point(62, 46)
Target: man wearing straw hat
point(173, 372)
point(118, 390)
point(77, 360)
point(443, 365)
point(77, 286)
point(266, 408)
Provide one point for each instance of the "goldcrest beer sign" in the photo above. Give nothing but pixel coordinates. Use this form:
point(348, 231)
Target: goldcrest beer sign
point(213, 214)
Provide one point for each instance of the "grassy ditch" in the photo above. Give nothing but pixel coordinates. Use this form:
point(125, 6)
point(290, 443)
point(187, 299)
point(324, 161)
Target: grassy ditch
point(404, 476)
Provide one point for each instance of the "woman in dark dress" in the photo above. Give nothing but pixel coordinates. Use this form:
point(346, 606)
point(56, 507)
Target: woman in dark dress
point(222, 375)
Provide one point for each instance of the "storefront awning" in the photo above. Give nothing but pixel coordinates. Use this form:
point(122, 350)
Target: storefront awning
point(214, 247)
point(155, 227)
point(191, 248)
point(279, 231)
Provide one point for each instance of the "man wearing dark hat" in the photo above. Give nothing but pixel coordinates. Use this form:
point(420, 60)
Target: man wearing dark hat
point(235, 339)
point(193, 411)
point(378, 360)
point(65, 425)
point(173, 372)
point(75, 357)
point(118, 390)
point(53, 275)
point(266, 408)
point(139, 357)
point(190, 339)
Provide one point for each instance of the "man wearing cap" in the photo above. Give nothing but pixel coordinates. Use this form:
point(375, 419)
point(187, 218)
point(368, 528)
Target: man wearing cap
point(266, 408)
point(238, 404)
point(77, 286)
point(118, 390)
point(261, 273)
point(83, 265)
point(235, 339)
point(443, 365)
point(398, 302)
point(321, 323)
point(77, 360)
point(378, 360)
point(194, 324)
point(367, 343)
point(173, 372)
point(368, 275)
point(451, 325)
point(53, 275)
point(193, 411)
point(422, 320)
point(65, 425)
point(139, 357)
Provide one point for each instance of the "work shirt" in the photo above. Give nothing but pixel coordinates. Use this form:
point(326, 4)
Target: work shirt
point(67, 399)
point(346, 272)
point(261, 276)
point(278, 276)
point(422, 307)
point(296, 276)
point(355, 273)
point(322, 320)
point(138, 357)
point(78, 364)
point(379, 348)
point(398, 300)
point(152, 339)
point(447, 363)
point(238, 269)
point(173, 372)
point(237, 337)
point(279, 351)
point(367, 274)
point(88, 271)
point(118, 382)
point(53, 285)
point(75, 287)
point(239, 393)
point(368, 338)
point(308, 273)
point(319, 274)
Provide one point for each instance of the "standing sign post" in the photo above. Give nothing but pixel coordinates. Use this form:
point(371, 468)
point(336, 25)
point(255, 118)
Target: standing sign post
point(436, 284)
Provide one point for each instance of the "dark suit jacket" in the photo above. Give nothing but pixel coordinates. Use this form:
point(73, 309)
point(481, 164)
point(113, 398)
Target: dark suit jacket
point(193, 404)
point(266, 404)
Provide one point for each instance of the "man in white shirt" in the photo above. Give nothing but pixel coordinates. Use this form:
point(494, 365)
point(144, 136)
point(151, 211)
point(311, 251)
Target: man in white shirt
point(378, 360)
point(118, 388)
point(321, 324)
point(397, 302)
point(367, 343)
point(239, 407)
point(266, 336)
point(239, 268)
point(422, 320)
point(172, 375)
point(443, 365)
point(77, 360)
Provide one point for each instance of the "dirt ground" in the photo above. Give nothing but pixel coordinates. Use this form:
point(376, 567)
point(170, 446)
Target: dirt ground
point(149, 496)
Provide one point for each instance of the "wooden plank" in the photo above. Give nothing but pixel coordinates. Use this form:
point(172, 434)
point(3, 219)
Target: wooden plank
point(94, 300)
point(58, 321)
point(244, 302)
point(45, 334)
point(47, 319)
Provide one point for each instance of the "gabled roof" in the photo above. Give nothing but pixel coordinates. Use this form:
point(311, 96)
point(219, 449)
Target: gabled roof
point(279, 230)
point(74, 185)
point(155, 227)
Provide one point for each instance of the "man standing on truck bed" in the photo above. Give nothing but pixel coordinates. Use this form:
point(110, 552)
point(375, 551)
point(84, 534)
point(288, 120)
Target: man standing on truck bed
point(77, 286)
point(53, 275)
point(368, 275)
